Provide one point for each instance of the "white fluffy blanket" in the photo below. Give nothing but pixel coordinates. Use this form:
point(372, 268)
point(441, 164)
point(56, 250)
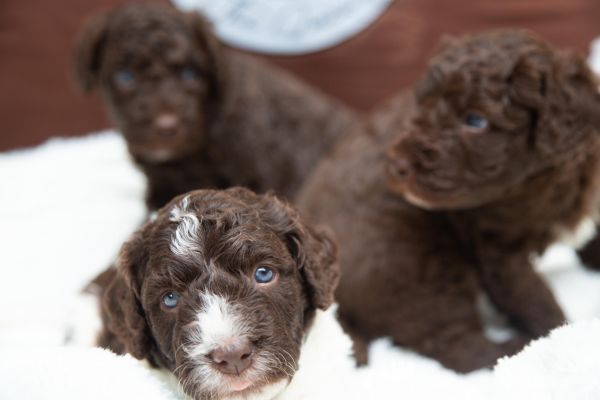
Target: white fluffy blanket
point(65, 208)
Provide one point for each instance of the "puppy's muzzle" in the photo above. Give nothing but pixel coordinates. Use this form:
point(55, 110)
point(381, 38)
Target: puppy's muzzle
point(232, 358)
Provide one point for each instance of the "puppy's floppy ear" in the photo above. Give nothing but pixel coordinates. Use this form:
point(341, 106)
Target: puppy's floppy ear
point(580, 84)
point(436, 78)
point(88, 52)
point(447, 41)
point(430, 84)
point(529, 78)
point(213, 50)
point(562, 96)
point(316, 254)
point(121, 307)
point(313, 249)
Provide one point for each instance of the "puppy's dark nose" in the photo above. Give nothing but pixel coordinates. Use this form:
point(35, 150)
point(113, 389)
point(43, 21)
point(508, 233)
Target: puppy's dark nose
point(166, 124)
point(233, 358)
point(400, 167)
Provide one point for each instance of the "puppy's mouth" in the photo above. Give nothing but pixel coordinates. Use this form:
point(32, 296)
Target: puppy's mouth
point(406, 186)
point(158, 151)
point(260, 380)
point(418, 201)
point(155, 146)
point(243, 386)
point(266, 391)
point(401, 181)
point(236, 385)
point(432, 202)
point(156, 156)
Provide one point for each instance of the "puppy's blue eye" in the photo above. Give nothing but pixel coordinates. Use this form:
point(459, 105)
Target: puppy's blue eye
point(476, 121)
point(188, 75)
point(171, 299)
point(124, 77)
point(264, 275)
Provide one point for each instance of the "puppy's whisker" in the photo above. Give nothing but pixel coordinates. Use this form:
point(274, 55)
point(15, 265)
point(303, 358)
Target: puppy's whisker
point(283, 365)
point(290, 358)
point(288, 364)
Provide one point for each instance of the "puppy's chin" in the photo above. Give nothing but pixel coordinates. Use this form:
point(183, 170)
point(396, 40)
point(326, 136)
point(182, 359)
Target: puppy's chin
point(412, 194)
point(156, 156)
point(254, 383)
point(241, 387)
point(401, 187)
point(160, 155)
point(417, 201)
point(156, 149)
point(440, 203)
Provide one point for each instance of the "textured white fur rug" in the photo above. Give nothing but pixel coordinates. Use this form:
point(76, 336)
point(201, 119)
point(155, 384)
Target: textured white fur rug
point(65, 208)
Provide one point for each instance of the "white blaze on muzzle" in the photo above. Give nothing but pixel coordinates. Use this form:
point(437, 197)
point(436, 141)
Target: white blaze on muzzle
point(217, 323)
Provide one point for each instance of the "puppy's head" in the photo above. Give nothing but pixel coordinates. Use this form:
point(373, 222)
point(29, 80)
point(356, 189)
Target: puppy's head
point(220, 288)
point(493, 110)
point(160, 73)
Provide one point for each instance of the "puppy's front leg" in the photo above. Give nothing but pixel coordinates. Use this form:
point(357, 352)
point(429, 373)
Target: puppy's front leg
point(516, 289)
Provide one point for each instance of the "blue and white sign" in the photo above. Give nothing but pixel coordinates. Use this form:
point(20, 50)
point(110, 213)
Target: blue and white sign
point(287, 27)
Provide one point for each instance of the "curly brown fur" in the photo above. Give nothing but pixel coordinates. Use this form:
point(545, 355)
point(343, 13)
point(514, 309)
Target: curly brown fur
point(206, 247)
point(197, 115)
point(431, 211)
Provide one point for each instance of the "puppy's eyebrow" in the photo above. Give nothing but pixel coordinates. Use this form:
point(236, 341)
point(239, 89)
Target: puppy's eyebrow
point(185, 240)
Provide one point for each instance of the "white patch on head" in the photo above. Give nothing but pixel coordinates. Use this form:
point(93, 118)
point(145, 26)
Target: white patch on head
point(184, 241)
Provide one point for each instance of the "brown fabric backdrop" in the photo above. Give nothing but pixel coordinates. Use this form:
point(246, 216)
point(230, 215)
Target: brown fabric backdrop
point(38, 98)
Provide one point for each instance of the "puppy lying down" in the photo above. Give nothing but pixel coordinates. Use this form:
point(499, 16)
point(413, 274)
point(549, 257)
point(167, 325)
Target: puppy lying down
point(222, 288)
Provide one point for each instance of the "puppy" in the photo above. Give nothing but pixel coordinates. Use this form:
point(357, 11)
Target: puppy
point(221, 289)
point(197, 115)
point(458, 184)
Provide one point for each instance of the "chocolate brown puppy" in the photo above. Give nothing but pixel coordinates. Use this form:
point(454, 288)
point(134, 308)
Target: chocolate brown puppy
point(491, 158)
point(197, 115)
point(221, 288)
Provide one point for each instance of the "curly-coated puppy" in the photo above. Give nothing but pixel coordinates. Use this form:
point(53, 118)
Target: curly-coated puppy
point(221, 288)
point(490, 159)
point(197, 115)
